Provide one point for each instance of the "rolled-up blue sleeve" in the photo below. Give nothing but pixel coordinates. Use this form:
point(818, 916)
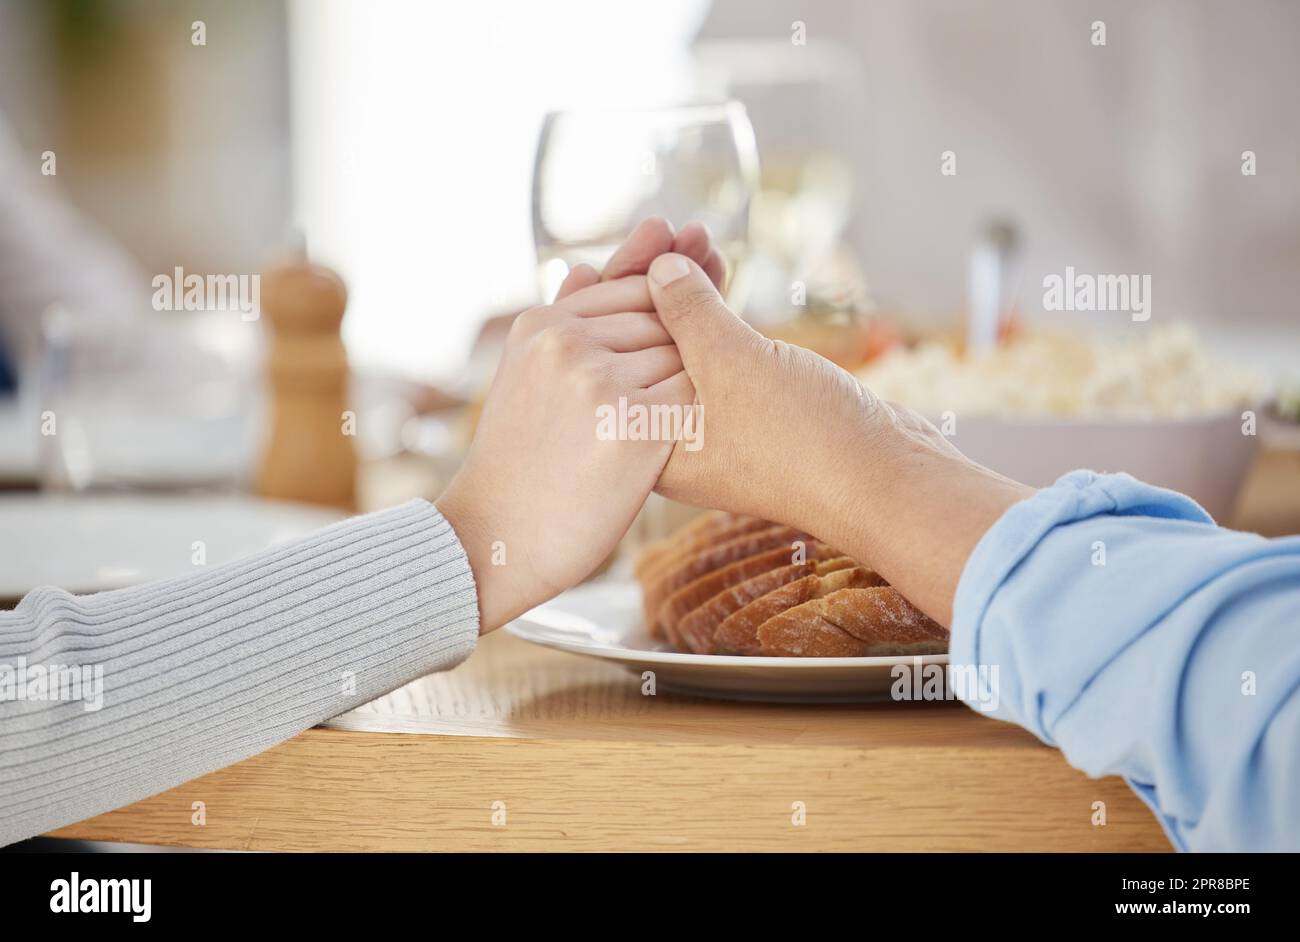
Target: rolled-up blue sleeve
point(1123, 627)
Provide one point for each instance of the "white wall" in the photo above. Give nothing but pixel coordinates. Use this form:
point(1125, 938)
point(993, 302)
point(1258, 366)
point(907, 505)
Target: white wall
point(415, 131)
point(1122, 159)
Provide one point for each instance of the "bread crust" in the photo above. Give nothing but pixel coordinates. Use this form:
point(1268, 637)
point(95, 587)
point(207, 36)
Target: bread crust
point(694, 597)
point(699, 535)
point(727, 585)
point(692, 565)
point(698, 532)
point(738, 632)
point(852, 622)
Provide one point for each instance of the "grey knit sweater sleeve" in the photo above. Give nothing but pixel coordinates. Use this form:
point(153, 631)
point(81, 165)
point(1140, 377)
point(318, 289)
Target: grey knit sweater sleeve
point(106, 699)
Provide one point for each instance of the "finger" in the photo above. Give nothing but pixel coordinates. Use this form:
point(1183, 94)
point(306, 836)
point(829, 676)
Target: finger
point(695, 241)
point(650, 366)
point(675, 390)
point(536, 319)
point(610, 297)
point(626, 332)
point(580, 276)
point(651, 238)
point(715, 266)
point(690, 308)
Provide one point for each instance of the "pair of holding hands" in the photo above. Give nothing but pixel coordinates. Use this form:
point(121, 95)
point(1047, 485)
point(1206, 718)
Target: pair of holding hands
point(787, 435)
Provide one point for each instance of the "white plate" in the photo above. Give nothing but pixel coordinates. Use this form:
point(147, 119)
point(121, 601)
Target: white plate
point(106, 541)
point(603, 620)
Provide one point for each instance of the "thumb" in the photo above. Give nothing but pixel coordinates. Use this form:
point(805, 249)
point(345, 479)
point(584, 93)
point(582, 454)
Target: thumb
point(693, 312)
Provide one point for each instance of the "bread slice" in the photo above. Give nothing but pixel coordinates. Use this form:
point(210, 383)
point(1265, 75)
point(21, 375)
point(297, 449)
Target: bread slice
point(697, 533)
point(852, 622)
point(706, 530)
point(738, 632)
point(710, 531)
point(691, 566)
point(696, 631)
point(727, 584)
point(698, 591)
point(711, 598)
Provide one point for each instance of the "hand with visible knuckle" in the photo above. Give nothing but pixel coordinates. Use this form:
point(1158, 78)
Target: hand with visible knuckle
point(537, 459)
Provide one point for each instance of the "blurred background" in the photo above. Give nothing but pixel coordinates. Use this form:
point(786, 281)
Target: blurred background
point(892, 181)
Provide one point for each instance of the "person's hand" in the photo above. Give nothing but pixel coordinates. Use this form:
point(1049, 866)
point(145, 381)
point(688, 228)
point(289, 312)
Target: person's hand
point(541, 499)
point(648, 241)
point(777, 416)
point(793, 438)
point(651, 238)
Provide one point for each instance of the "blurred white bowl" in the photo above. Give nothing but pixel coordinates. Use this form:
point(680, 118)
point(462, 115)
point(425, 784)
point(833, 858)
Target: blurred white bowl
point(1207, 458)
point(100, 541)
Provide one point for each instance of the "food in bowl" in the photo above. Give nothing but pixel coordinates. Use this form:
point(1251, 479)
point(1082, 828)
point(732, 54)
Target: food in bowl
point(727, 584)
point(1155, 405)
point(1161, 372)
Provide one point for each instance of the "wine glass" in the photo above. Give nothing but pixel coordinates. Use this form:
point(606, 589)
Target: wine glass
point(156, 400)
point(599, 173)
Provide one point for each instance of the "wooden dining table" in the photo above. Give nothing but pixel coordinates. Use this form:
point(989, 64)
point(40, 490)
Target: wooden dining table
point(523, 748)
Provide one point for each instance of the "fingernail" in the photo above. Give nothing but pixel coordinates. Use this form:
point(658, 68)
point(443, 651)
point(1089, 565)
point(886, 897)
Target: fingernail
point(668, 268)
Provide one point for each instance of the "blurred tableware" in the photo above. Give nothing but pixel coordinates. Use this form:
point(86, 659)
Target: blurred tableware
point(93, 542)
point(848, 342)
point(1280, 424)
point(1206, 457)
point(599, 173)
point(163, 399)
point(440, 438)
point(1157, 403)
point(308, 452)
point(804, 110)
point(604, 620)
point(1287, 406)
point(20, 440)
point(992, 286)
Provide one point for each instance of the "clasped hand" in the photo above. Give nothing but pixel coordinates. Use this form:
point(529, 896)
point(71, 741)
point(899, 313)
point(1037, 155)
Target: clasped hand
point(543, 497)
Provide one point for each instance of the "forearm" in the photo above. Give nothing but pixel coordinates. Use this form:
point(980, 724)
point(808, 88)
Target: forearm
point(200, 672)
point(911, 507)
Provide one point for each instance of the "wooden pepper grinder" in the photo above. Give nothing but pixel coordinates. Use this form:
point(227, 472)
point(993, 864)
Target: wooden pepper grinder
point(309, 455)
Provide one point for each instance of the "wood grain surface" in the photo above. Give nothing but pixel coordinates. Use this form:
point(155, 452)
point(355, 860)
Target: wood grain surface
point(578, 759)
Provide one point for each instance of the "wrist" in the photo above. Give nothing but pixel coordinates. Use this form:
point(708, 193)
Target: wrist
point(842, 503)
point(485, 544)
point(914, 508)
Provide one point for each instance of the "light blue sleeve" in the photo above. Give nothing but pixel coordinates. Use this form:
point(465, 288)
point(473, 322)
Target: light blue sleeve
point(1125, 628)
